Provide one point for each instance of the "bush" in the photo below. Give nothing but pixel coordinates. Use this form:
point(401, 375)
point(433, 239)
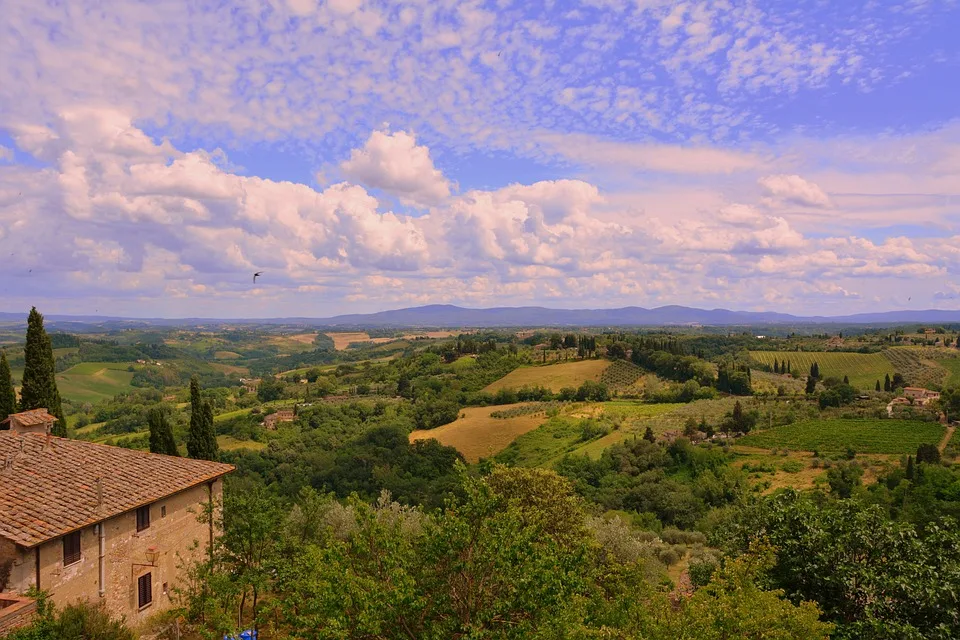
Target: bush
point(701, 570)
point(671, 535)
point(80, 621)
point(792, 466)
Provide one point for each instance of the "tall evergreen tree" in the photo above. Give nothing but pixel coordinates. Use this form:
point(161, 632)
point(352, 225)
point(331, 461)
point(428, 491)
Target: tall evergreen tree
point(846, 380)
point(776, 366)
point(878, 385)
point(8, 395)
point(201, 438)
point(38, 389)
point(161, 433)
point(886, 383)
point(788, 367)
point(910, 469)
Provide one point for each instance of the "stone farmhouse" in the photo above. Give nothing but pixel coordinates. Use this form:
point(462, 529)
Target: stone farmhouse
point(33, 421)
point(919, 395)
point(88, 521)
point(283, 415)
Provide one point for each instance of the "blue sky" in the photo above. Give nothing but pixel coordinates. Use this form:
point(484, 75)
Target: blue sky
point(792, 156)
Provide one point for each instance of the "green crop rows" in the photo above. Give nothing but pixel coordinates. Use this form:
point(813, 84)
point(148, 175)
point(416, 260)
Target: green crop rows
point(863, 436)
point(863, 369)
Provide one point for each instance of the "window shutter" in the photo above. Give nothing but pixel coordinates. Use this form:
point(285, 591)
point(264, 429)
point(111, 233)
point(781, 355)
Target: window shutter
point(144, 590)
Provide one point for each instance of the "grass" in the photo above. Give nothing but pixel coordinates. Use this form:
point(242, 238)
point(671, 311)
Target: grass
point(478, 435)
point(953, 366)
point(229, 443)
point(226, 355)
point(544, 445)
point(553, 377)
point(863, 369)
point(836, 435)
point(94, 381)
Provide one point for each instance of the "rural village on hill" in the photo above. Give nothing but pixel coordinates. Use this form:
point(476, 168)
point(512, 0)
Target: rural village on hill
point(173, 481)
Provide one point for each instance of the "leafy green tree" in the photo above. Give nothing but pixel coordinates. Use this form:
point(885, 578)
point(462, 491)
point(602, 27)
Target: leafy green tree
point(648, 435)
point(928, 453)
point(38, 388)
point(8, 395)
point(843, 478)
point(897, 382)
point(201, 437)
point(873, 577)
point(161, 433)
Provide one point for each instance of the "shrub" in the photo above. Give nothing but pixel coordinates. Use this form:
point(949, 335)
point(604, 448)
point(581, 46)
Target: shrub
point(792, 466)
point(701, 570)
point(672, 535)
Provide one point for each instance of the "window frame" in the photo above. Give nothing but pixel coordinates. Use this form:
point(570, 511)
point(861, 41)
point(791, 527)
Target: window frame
point(143, 518)
point(70, 560)
point(144, 588)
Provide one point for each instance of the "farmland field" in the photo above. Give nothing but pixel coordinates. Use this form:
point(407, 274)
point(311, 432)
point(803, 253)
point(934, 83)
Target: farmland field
point(343, 340)
point(94, 381)
point(863, 369)
point(553, 377)
point(918, 365)
point(864, 436)
point(477, 434)
point(953, 366)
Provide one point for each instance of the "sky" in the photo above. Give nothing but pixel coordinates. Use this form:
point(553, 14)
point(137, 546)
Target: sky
point(801, 157)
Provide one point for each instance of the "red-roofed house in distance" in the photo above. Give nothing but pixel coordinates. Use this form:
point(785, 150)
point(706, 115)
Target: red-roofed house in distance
point(89, 521)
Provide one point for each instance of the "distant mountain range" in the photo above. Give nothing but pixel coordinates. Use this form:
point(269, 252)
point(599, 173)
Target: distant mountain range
point(450, 316)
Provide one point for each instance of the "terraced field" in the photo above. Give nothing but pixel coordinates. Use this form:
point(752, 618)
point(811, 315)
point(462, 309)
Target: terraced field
point(479, 435)
point(94, 381)
point(918, 365)
point(553, 376)
point(864, 436)
point(863, 369)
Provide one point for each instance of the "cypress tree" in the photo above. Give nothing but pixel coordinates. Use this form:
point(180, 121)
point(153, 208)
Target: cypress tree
point(8, 396)
point(846, 380)
point(38, 389)
point(161, 433)
point(201, 438)
point(788, 367)
point(878, 386)
point(910, 470)
point(776, 366)
point(886, 383)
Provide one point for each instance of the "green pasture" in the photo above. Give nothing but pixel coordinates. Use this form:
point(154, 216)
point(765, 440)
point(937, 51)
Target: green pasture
point(94, 381)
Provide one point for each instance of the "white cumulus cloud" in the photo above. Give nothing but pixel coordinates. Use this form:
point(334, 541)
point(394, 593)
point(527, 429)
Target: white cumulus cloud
point(396, 164)
point(793, 189)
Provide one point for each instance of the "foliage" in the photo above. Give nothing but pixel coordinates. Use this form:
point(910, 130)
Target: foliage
point(38, 388)
point(8, 395)
point(161, 433)
point(873, 577)
point(201, 438)
point(79, 621)
point(863, 370)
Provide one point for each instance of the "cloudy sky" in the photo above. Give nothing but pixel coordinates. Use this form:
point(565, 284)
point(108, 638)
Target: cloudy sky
point(792, 156)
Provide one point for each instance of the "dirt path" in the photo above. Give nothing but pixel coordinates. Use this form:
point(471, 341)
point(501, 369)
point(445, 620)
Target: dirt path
point(946, 438)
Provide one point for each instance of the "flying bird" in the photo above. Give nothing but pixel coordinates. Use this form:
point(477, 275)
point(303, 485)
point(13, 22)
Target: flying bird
point(255, 276)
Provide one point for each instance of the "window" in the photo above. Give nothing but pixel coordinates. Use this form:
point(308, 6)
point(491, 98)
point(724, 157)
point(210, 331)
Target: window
point(163, 511)
point(71, 548)
point(144, 590)
point(143, 518)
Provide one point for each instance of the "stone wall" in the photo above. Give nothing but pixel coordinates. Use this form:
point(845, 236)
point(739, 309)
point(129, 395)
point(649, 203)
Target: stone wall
point(175, 533)
point(15, 612)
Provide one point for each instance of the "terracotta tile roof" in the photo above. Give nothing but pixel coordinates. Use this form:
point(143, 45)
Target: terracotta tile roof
point(48, 485)
point(30, 418)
